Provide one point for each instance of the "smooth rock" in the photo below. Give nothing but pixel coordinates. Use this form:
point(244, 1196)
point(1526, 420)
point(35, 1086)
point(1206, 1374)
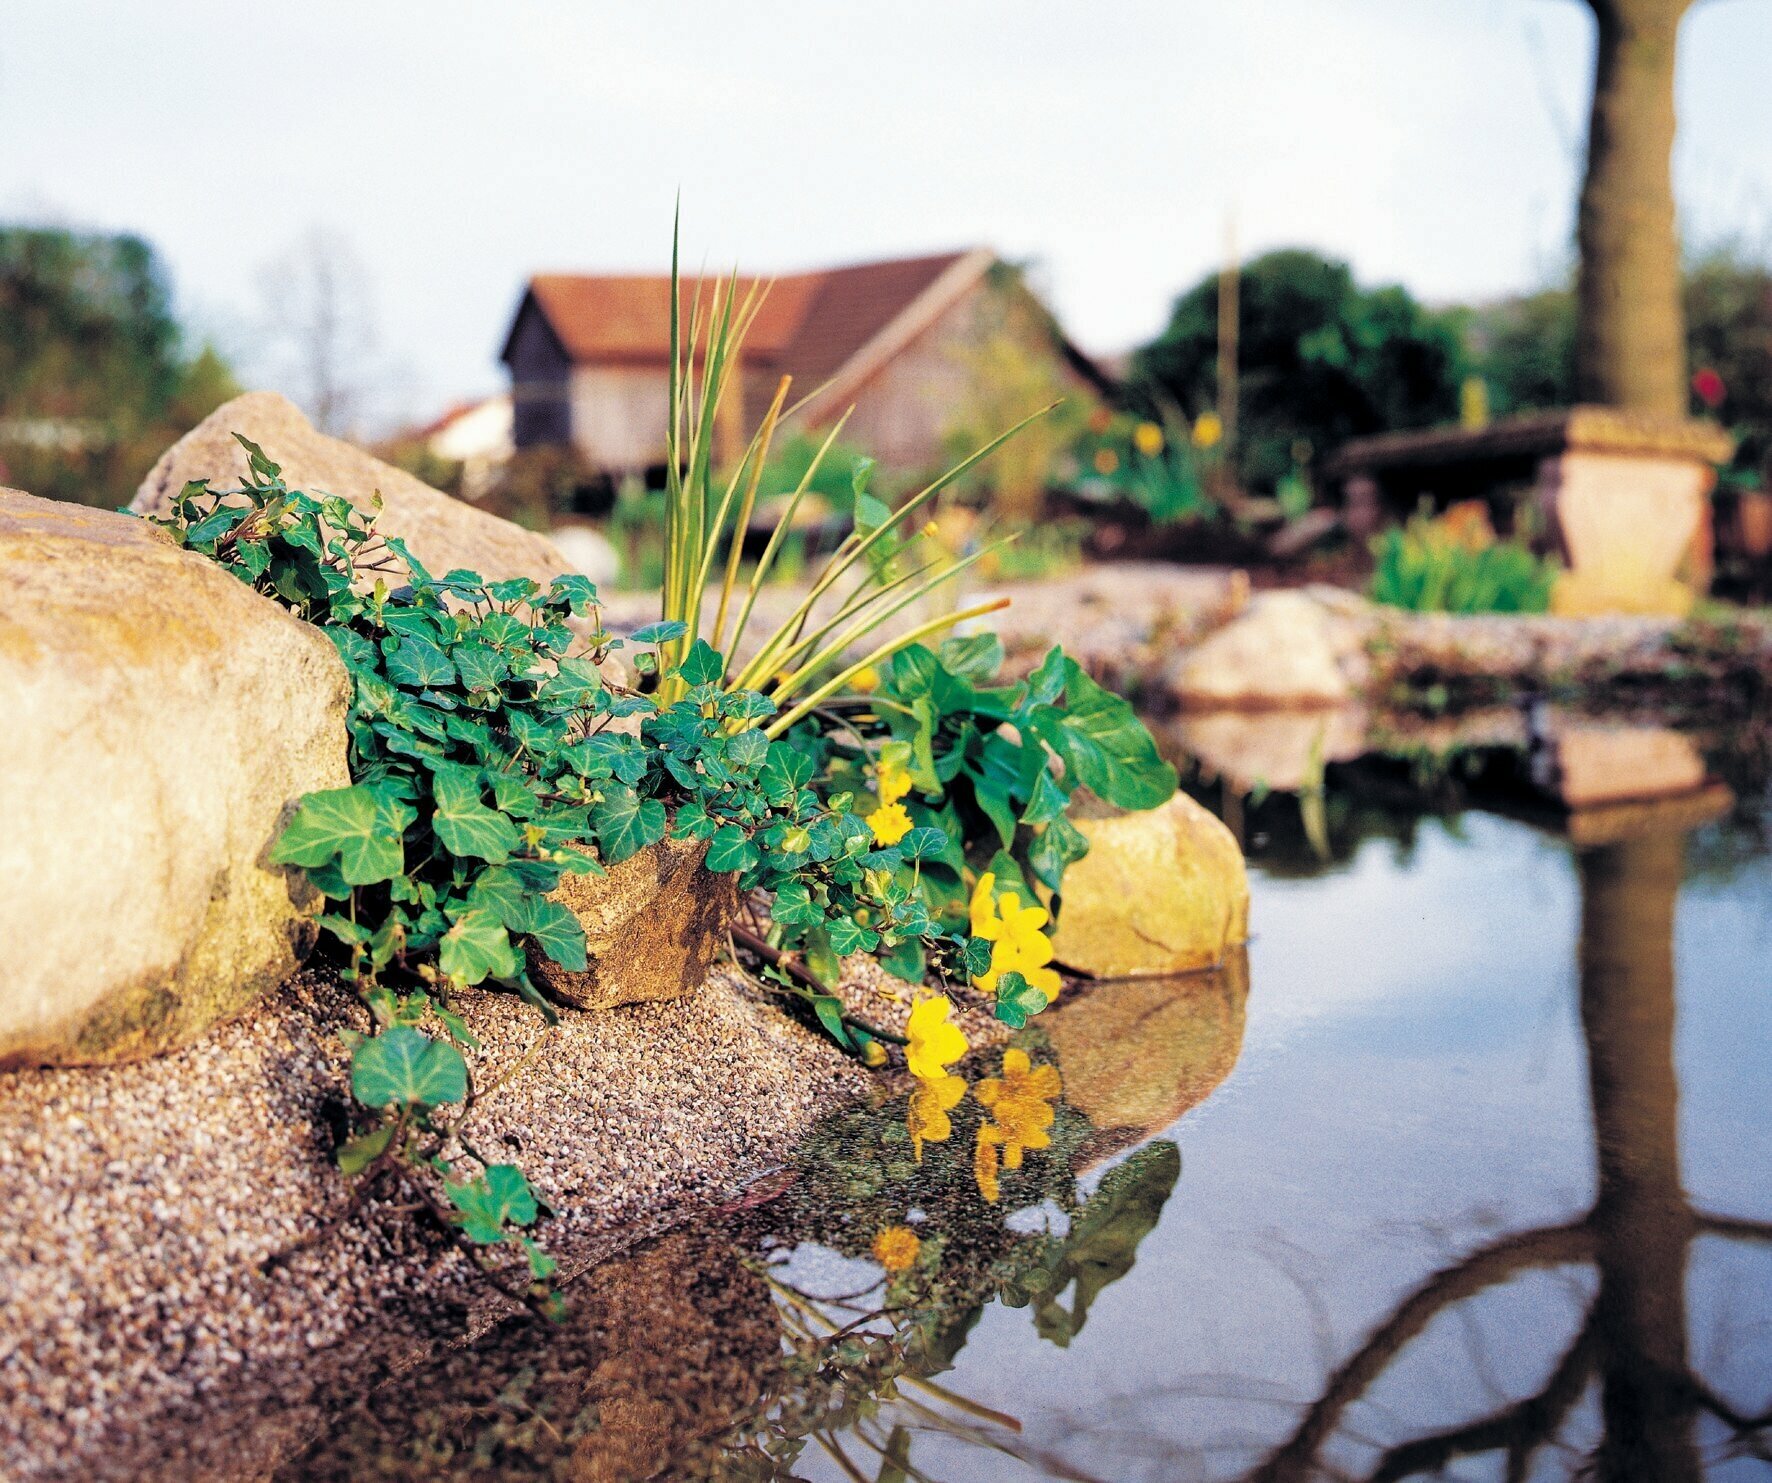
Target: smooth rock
point(159, 718)
point(652, 927)
point(588, 550)
point(441, 531)
point(1280, 651)
point(1163, 891)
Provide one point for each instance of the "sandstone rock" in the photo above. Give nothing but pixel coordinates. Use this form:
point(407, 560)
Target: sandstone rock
point(1587, 763)
point(1280, 652)
point(441, 532)
point(159, 718)
point(652, 927)
point(1163, 891)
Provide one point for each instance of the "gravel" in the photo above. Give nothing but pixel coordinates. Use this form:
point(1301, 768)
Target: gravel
point(189, 1291)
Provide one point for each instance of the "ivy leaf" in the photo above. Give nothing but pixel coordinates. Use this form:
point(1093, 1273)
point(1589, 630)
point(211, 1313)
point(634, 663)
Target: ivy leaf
point(730, 850)
point(361, 829)
point(401, 1067)
point(1058, 845)
point(785, 771)
point(464, 824)
point(849, 936)
point(794, 906)
point(513, 589)
point(487, 1201)
point(747, 750)
point(479, 667)
point(477, 947)
point(417, 662)
point(554, 929)
point(573, 684)
point(577, 592)
point(702, 665)
point(977, 957)
point(922, 844)
point(356, 1155)
point(658, 633)
point(1017, 1000)
point(626, 823)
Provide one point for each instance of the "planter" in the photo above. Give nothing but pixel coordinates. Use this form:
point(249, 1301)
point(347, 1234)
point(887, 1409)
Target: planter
point(652, 927)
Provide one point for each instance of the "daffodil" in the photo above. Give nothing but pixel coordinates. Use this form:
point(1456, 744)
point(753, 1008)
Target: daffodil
point(890, 824)
point(866, 680)
point(935, 1042)
point(1208, 430)
point(1017, 943)
point(896, 1248)
point(1147, 437)
point(984, 1161)
point(1020, 1103)
point(926, 1114)
point(892, 780)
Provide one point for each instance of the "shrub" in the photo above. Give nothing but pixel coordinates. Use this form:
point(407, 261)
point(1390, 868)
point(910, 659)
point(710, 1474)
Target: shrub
point(1456, 565)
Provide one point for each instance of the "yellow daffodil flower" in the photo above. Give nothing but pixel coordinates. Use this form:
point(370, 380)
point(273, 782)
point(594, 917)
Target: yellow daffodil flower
point(1020, 1103)
point(984, 1161)
point(935, 1041)
point(892, 780)
point(1208, 430)
point(1017, 943)
point(1147, 437)
point(890, 824)
point(896, 1248)
point(866, 680)
point(926, 1114)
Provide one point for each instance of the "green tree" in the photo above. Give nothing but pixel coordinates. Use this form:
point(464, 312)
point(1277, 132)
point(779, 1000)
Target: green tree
point(96, 376)
point(1320, 359)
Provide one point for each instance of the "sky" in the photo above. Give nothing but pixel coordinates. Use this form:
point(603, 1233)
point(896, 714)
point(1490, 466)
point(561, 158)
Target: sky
point(454, 147)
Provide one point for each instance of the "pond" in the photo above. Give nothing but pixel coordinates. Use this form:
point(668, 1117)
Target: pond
point(1467, 1172)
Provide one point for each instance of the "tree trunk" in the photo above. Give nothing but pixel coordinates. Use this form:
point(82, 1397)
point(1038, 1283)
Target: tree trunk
point(1630, 335)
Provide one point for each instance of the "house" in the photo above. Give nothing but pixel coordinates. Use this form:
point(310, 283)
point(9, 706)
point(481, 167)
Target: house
point(900, 341)
point(477, 436)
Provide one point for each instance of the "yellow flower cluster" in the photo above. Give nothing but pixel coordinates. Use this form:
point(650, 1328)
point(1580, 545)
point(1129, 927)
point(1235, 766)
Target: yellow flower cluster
point(935, 1043)
point(896, 1248)
point(890, 821)
point(1020, 1104)
point(1147, 438)
point(1017, 943)
point(1208, 430)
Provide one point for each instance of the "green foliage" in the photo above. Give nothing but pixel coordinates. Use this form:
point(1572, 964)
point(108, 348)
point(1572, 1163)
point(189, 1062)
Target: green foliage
point(994, 766)
point(1429, 567)
point(96, 376)
point(1321, 359)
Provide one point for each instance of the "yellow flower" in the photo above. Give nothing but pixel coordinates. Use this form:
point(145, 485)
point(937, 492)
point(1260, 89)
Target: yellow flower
point(1020, 1103)
point(1147, 437)
point(1207, 430)
point(866, 679)
point(890, 823)
point(1106, 460)
point(935, 1042)
point(926, 1114)
point(896, 1248)
point(1017, 943)
point(873, 1054)
point(984, 1161)
point(892, 780)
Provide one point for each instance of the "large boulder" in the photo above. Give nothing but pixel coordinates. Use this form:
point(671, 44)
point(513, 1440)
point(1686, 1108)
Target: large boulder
point(1281, 651)
point(1163, 891)
point(652, 927)
point(442, 532)
point(159, 719)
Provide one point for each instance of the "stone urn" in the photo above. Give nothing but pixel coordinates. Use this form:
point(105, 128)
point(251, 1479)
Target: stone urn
point(652, 927)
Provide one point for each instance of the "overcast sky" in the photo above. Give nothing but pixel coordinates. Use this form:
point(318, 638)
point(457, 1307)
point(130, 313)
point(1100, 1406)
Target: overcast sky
point(458, 147)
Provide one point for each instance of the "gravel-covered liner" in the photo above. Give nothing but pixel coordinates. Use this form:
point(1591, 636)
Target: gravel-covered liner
point(187, 1292)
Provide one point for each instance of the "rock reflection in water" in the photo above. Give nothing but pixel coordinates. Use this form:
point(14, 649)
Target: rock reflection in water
point(725, 1350)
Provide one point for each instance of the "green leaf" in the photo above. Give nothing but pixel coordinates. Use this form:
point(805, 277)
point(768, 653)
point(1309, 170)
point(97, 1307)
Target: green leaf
point(479, 667)
point(923, 844)
point(907, 961)
point(1049, 800)
point(573, 685)
point(1103, 740)
point(829, 1010)
point(356, 1155)
point(1058, 845)
point(1017, 1000)
point(730, 850)
point(417, 662)
point(975, 658)
point(626, 823)
point(402, 1067)
point(658, 633)
point(826, 967)
point(849, 936)
point(477, 947)
point(577, 592)
point(489, 1200)
point(702, 665)
point(554, 929)
point(464, 824)
point(359, 827)
point(747, 750)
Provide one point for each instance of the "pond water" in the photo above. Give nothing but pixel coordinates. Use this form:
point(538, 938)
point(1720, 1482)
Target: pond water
point(1468, 1174)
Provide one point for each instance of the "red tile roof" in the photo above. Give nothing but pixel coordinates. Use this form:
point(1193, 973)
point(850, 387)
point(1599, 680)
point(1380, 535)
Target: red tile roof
point(809, 326)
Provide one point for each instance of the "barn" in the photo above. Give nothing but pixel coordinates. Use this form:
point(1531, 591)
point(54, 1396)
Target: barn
point(900, 341)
